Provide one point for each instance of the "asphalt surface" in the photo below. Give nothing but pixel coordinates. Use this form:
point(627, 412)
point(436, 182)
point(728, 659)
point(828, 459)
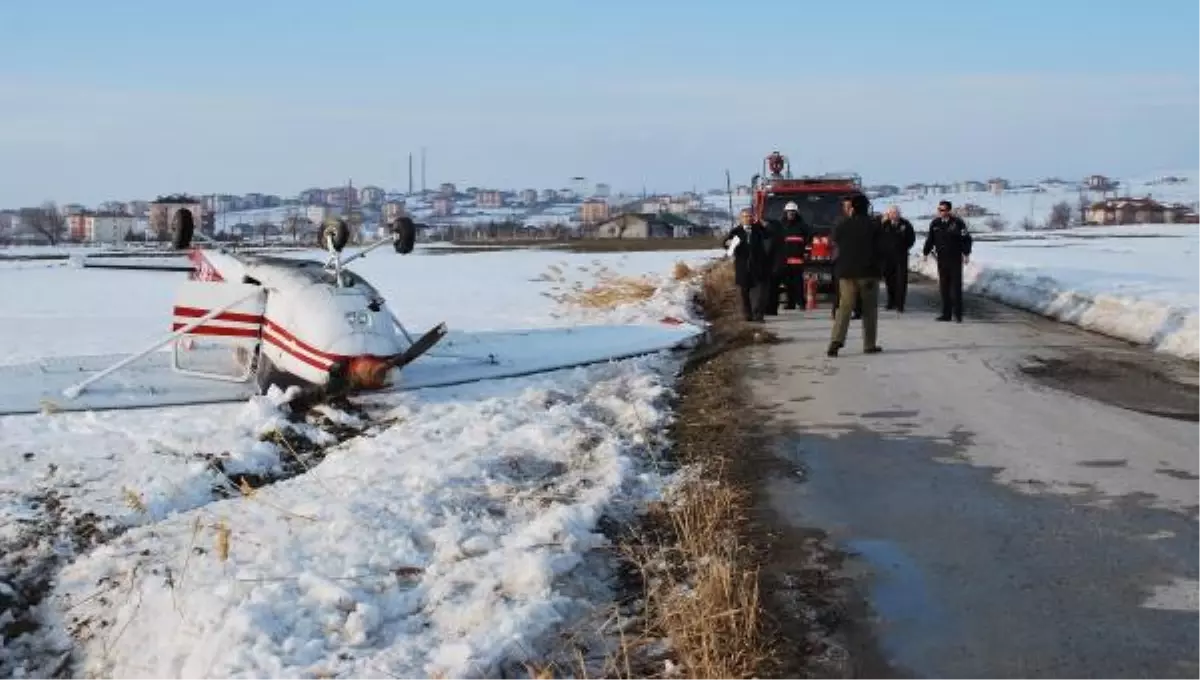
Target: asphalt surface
point(1016, 497)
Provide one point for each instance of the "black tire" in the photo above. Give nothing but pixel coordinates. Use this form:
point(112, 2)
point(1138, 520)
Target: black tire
point(185, 226)
point(406, 232)
point(335, 235)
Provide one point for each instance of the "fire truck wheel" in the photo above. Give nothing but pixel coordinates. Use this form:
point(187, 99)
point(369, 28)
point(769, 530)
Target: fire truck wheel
point(406, 233)
point(335, 235)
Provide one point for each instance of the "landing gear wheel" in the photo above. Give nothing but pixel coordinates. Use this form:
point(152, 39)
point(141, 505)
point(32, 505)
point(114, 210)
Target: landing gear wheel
point(406, 235)
point(184, 228)
point(335, 236)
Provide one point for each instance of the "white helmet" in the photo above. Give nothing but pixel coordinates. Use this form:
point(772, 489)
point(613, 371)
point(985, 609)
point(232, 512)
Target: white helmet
point(791, 205)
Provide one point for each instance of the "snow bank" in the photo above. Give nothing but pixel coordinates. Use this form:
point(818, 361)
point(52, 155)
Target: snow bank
point(1140, 286)
point(462, 539)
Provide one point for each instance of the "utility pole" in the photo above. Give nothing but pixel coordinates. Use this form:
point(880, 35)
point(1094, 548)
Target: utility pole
point(422, 170)
point(410, 175)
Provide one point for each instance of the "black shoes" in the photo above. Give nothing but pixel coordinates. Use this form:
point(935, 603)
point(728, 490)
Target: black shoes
point(942, 318)
point(873, 350)
point(833, 349)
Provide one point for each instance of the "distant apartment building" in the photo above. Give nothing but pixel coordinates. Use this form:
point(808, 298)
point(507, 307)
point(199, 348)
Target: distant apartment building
point(339, 196)
point(488, 198)
point(549, 196)
point(970, 186)
point(443, 206)
point(117, 207)
point(447, 190)
point(593, 211)
point(602, 191)
point(99, 227)
point(312, 196)
point(1101, 183)
point(529, 196)
point(741, 190)
point(72, 209)
point(393, 210)
point(372, 195)
point(997, 185)
point(138, 208)
point(317, 214)
point(166, 211)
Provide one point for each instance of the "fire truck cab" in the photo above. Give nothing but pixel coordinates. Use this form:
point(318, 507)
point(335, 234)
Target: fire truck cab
point(819, 199)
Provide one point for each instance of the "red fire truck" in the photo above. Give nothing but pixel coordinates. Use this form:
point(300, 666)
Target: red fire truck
point(819, 199)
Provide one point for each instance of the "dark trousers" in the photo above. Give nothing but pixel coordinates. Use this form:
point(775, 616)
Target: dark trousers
point(950, 284)
point(895, 276)
point(755, 300)
point(865, 296)
point(789, 283)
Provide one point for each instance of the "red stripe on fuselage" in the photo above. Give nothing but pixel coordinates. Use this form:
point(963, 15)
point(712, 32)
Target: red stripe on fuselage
point(239, 317)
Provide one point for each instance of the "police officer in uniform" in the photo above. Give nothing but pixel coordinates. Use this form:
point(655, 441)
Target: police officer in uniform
point(948, 236)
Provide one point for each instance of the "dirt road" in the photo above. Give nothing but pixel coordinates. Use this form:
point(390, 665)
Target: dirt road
point(1016, 497)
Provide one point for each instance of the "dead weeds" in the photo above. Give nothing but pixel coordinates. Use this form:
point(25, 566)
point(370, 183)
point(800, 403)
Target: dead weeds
point(697, 552)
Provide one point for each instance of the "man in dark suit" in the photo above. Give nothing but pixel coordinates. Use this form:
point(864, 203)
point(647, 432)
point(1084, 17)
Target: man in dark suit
point(898, 238)
point(751, 245)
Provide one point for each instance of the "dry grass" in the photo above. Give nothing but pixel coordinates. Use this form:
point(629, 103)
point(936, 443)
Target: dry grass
point(610, 289)
point(697, 567)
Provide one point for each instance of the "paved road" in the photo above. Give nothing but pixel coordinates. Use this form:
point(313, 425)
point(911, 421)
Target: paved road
point(1018, 496)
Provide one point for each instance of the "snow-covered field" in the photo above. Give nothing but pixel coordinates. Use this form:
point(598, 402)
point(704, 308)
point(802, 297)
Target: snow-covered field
point(1137, 282)
point(447, 532)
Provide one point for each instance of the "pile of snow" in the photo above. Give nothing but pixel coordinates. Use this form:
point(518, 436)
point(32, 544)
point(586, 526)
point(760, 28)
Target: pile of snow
point(459, 535)
point(1137, 283)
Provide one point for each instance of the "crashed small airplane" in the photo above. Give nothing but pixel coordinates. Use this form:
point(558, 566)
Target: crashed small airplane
point(243, 324)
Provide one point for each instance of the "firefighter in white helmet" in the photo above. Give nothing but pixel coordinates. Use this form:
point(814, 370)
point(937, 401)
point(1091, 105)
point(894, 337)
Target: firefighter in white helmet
point(794, 233)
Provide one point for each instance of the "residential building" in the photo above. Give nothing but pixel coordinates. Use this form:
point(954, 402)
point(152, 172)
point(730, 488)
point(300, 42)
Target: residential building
point(1137, 211)
point(487, 198)
point(593, 211)
point(312, 196)
point(997, 185)
point(393, 210)
point(443, 206)
point(549, 196)
point(446, 190)
point(1100, 183)
point(99, 227)
point(138, 208)
point(371, 195)
point(166, 211)
point(970, 186)
point(529, 196)
point(72, 208)
point(646, 225)
point(602, 191)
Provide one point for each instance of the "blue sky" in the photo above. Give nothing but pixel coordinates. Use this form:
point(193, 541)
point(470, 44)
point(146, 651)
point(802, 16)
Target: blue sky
point(128, 99)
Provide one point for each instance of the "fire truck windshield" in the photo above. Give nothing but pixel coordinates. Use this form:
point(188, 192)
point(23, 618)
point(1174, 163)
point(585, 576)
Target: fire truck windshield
point(818, 210)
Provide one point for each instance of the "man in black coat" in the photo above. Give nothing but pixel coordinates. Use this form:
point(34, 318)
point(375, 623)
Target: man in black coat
point(949, 237)
point(857, 242)
point(751, 245)
point(898, 238)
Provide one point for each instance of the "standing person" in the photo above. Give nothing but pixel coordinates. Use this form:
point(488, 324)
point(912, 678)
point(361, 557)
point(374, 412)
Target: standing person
point(948, 236)
point(856, 239)
point(898, 238)
point(791, 239)
point(750, 245)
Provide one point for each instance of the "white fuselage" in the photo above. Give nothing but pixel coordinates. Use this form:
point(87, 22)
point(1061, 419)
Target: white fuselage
point(310, 322)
